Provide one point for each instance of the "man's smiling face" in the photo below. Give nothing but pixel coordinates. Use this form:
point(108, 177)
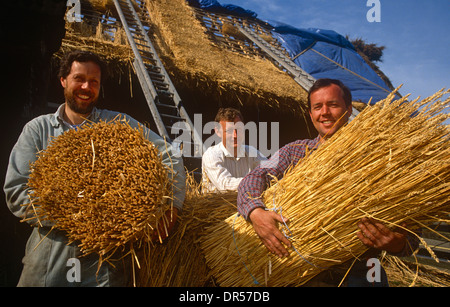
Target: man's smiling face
point(328, 110)
point(82, 86)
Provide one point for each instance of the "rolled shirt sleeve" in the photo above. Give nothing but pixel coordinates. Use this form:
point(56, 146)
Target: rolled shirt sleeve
point(253, 185)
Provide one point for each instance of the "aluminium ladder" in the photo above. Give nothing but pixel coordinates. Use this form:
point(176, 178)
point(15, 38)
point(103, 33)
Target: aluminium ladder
point(304, 79)
point(162, 98)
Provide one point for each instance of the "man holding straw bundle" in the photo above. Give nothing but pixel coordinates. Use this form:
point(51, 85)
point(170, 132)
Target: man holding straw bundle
point(224, 165)
point(48, 257)
point(330, 106)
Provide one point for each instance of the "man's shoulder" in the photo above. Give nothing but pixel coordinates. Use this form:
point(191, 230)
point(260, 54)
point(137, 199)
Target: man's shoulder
point(40, 120)
point(213, 150)
point(252, 152)
point(299, 147)
point(303, 142)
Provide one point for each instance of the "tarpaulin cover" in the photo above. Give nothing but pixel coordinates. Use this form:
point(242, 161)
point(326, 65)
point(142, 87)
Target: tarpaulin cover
point(215, 7)
point(321, 53)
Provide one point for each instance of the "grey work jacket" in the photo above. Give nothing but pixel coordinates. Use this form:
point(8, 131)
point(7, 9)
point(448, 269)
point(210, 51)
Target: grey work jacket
point(48, 260)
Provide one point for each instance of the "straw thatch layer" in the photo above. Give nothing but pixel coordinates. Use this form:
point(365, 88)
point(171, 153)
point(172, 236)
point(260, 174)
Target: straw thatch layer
point(190, 56)
point(117, 53)
point(194, 62)
point(391, 163)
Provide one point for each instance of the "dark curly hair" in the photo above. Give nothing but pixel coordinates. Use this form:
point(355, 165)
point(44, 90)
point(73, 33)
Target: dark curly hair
point(82, 57)
point(228, 115)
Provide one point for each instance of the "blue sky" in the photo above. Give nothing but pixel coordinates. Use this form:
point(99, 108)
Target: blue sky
point(414, 32)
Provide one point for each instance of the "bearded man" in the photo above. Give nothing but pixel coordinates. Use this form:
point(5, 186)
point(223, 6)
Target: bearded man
point(48, 254)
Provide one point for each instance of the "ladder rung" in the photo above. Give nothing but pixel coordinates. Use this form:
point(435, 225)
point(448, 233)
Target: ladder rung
point(147, 55)
point(128, 13)
point(140, 38)
point(171, 116)
point(154, 69)
point(134, 28)
point(182, 129)
point(165, 93)
point(135, 31)
point(167, 106)
point(155, 75)
point(145, 52)
point(158, 78)
point(160, 88)
point(160, 84)
point(143, 45)
point(169, 129)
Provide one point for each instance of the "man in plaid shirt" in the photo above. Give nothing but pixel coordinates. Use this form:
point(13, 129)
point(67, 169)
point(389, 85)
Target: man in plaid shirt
point(329, 104)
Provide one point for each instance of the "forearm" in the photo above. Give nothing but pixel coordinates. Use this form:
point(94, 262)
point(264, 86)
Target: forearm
point(16, 188)
point(249, 192)
point(411, 244)
point(254, 184)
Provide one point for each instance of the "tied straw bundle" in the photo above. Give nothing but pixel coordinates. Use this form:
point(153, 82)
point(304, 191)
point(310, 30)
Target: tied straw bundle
point(105, 185)
point(390, 163)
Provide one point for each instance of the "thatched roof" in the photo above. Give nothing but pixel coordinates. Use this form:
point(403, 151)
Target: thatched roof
point(195, 60)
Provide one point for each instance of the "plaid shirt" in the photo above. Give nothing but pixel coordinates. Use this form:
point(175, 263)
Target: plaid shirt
point(254, 184)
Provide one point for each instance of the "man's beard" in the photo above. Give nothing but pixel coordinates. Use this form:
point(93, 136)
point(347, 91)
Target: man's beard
point(78, 108)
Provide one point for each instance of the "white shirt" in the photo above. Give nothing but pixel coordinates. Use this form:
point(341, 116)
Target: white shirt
point(223, 172)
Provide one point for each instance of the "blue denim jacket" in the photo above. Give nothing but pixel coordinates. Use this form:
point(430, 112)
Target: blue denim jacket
point(47, 253)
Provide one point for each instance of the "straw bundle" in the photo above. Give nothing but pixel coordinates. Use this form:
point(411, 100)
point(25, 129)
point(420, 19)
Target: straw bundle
point(105, 185)
point(179, 261)
point(390, 163)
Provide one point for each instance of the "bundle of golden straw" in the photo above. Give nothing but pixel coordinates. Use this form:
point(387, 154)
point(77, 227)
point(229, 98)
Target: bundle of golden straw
point(391, 163)
point(105, 185)
point(179, 261)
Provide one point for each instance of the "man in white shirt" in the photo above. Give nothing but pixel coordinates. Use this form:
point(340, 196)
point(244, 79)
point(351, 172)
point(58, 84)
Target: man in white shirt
point(225, 164)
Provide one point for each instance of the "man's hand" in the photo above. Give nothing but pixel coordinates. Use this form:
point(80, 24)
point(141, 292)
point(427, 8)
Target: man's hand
point(265, 225)
point(171, 218)
point(377, 235)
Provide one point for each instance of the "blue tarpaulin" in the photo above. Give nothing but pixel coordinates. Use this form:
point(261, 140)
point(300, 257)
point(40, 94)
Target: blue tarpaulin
point(321, 53)
point(215, 7)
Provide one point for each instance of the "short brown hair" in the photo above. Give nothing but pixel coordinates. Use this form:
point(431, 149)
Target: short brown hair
point(228, 114)
point(320, 83)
